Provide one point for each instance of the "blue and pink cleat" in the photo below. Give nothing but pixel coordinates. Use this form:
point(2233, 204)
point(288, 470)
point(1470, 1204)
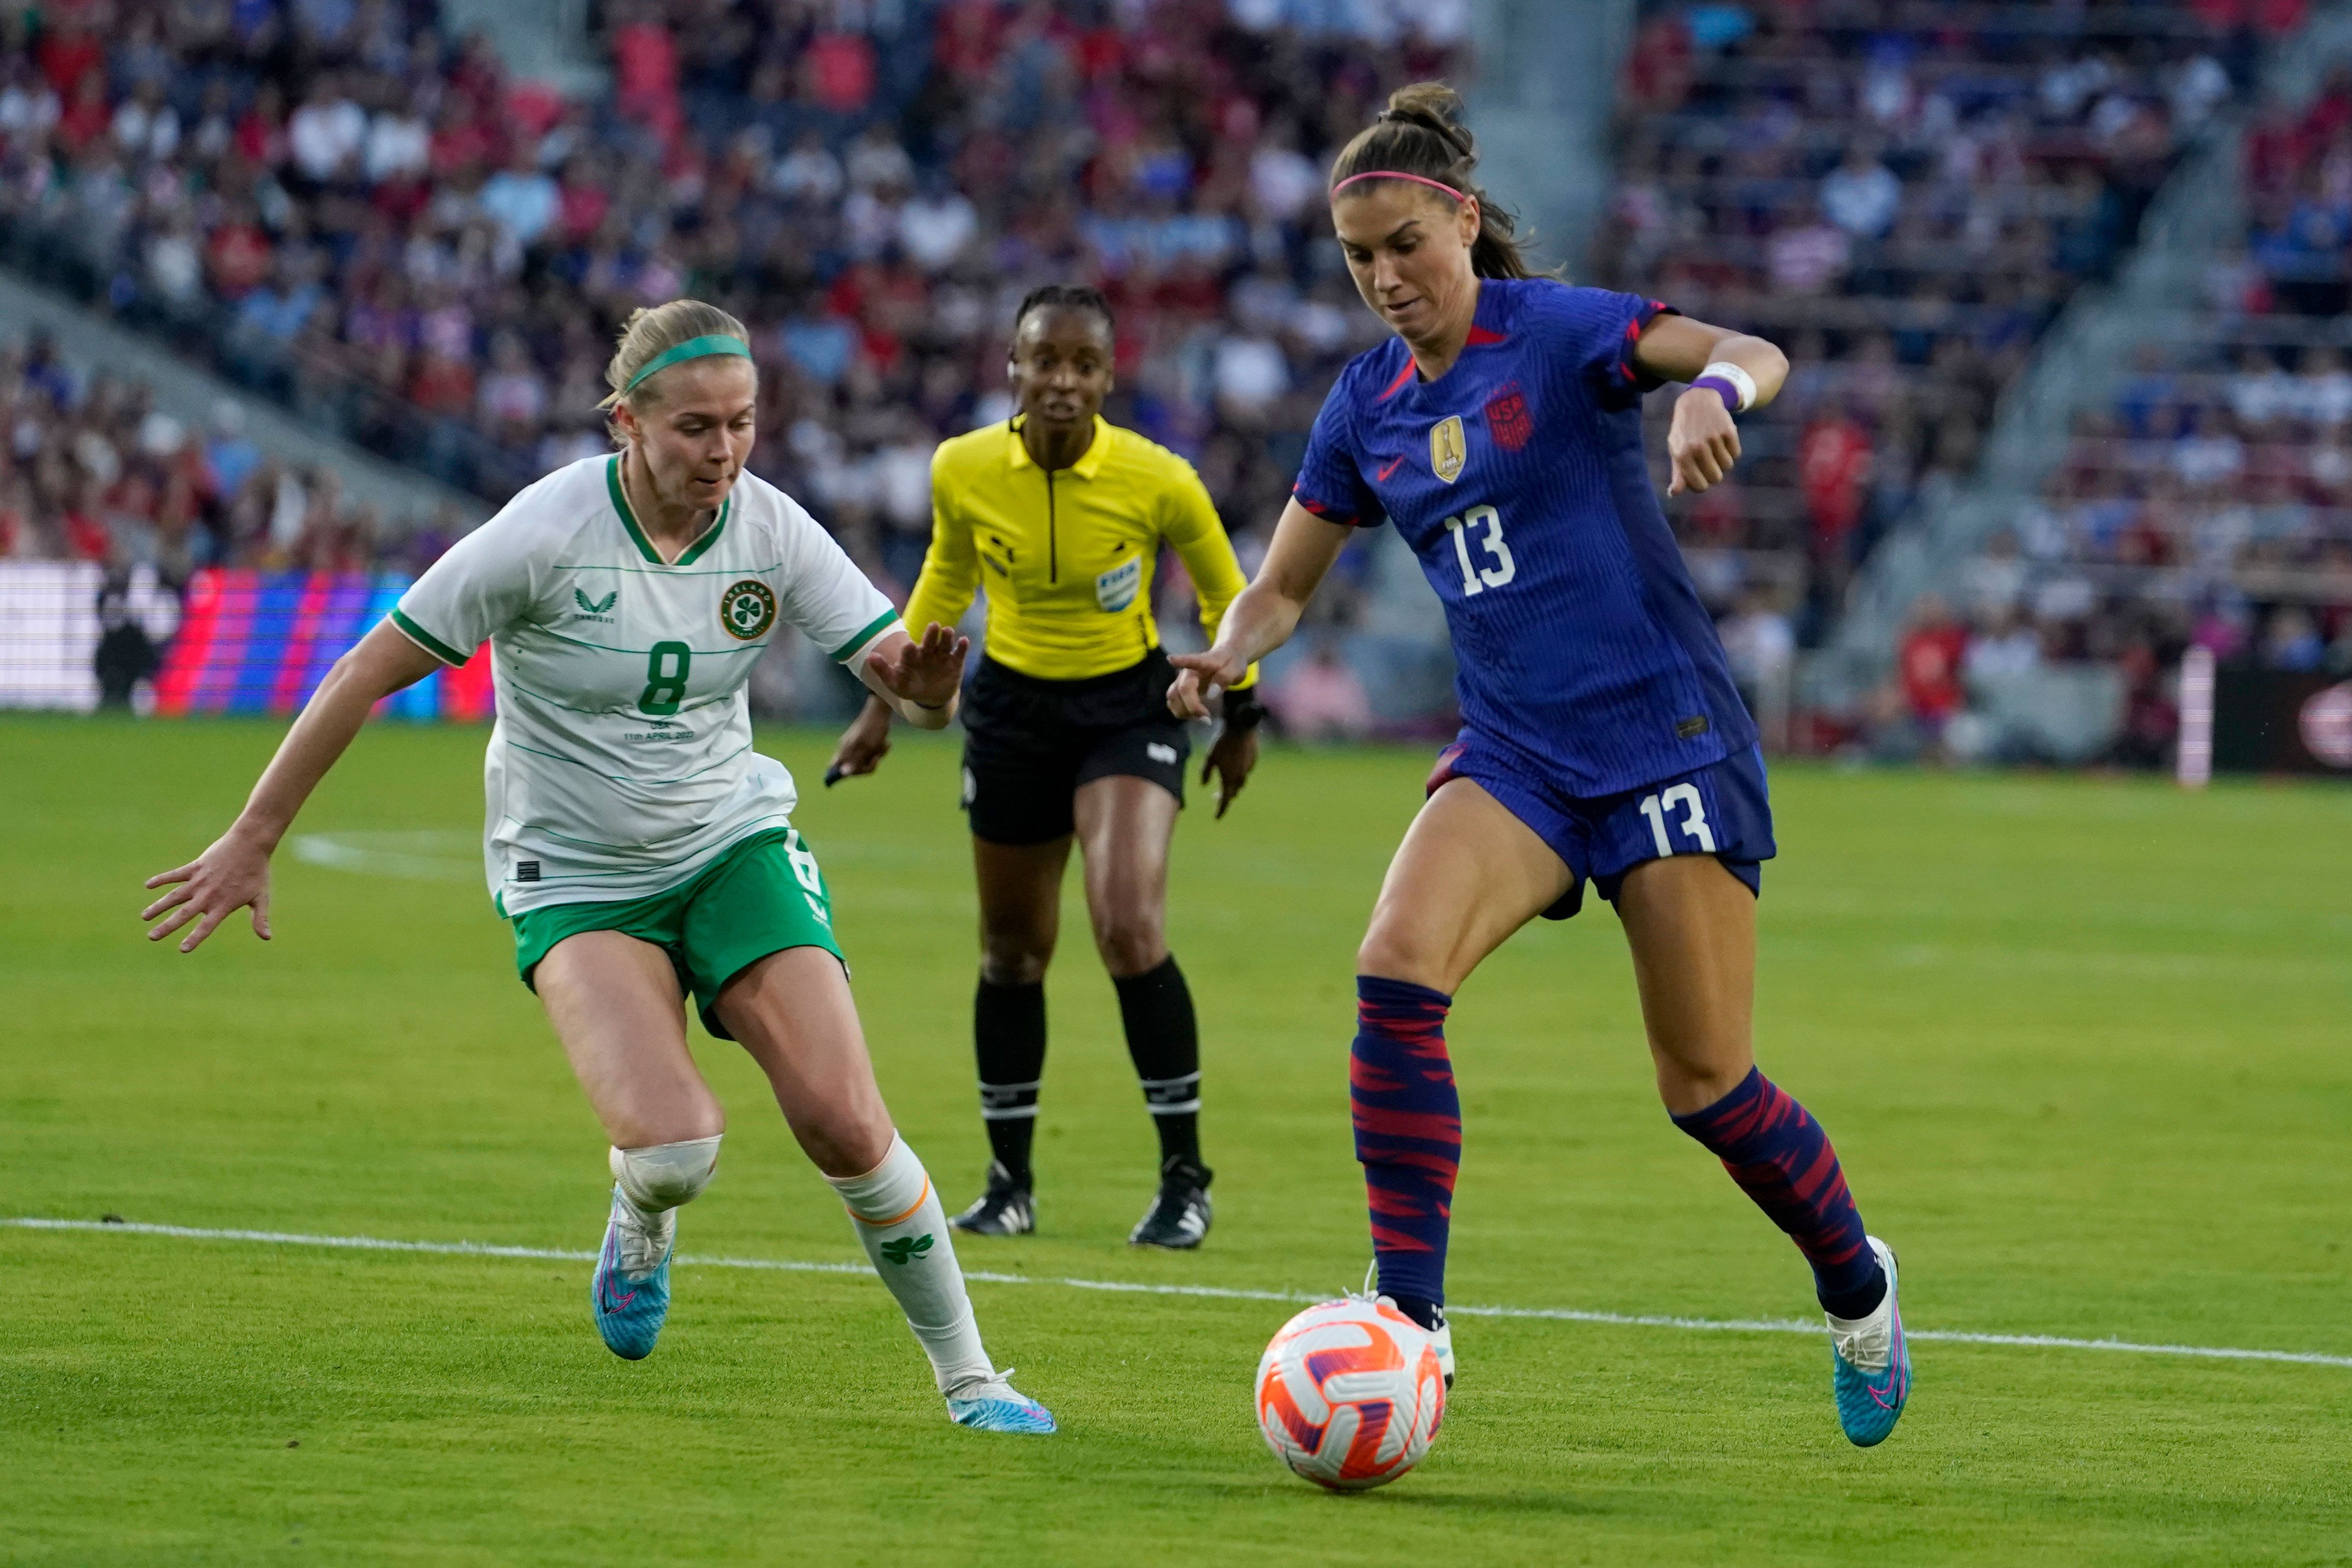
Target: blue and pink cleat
point(1871, 1364)
point(629, 1292)
point(996, 1406)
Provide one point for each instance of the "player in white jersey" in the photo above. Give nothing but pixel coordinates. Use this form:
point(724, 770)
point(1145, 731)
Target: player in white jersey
point(639, 846)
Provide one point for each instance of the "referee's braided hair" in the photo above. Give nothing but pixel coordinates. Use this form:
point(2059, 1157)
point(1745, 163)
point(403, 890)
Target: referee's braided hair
point(1420, 132)
point(1064, 297)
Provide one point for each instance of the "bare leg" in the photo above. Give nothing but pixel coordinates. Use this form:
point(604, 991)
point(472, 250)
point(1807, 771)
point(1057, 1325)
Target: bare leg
point(1692, 927)
point(1467, 875)
point(1020, 908)
point(793, 1011)
point(1125, 824)
point(616, 1006)
point(1020, 920)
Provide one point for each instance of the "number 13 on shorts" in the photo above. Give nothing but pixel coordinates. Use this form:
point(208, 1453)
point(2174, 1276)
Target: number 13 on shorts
point(1692, 825)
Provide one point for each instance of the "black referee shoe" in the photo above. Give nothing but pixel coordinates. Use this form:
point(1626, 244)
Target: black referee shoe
point(1004, 1209)
point(1179, 1217)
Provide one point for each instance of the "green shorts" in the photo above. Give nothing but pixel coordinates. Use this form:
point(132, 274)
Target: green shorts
point(759, 896)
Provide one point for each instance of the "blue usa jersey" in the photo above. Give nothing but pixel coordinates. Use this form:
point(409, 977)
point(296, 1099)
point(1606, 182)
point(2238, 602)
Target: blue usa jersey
point(1518, 478)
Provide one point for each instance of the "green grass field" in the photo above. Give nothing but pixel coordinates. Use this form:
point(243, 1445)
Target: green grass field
point(2081, 1045)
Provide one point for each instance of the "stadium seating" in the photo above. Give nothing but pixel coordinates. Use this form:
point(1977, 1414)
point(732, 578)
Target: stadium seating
point(2210, 505)
point(1905, 196)
point(378, 227)
point(95, 472)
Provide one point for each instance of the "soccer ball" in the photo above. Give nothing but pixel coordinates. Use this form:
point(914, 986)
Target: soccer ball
point(1349, 1393)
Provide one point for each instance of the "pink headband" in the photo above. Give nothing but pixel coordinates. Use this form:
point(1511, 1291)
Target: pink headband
point(1400, 175)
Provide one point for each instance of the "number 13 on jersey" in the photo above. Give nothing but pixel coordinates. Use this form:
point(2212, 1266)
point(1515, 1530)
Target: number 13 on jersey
point(1497, 568)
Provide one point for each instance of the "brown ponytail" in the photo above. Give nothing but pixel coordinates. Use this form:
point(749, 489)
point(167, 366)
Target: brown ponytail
point(1420, 132)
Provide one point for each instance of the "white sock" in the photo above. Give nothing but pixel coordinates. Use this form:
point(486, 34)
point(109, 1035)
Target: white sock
point(653, 1182)
point(899, 1218)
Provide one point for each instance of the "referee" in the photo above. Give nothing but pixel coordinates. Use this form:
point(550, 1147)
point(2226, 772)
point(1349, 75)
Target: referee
point(1061, 515)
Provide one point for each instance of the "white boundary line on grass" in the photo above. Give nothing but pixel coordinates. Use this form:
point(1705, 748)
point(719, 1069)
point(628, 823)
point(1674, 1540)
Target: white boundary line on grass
point(1214, 1292)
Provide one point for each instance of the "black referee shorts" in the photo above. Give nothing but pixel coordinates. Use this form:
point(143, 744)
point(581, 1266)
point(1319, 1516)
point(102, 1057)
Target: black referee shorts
point(1030, 743)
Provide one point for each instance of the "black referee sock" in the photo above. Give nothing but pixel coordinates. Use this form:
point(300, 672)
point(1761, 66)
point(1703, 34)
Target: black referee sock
point(1165, 1044)
point(1008, 1033)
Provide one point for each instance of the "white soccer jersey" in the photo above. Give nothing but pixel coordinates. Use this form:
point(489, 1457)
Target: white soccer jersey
point(622, 763)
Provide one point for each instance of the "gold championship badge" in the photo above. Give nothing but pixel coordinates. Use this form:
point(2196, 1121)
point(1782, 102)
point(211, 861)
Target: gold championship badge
point(1447, 451)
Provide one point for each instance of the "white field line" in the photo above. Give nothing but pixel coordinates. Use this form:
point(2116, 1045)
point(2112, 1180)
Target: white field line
point(1213, 1292)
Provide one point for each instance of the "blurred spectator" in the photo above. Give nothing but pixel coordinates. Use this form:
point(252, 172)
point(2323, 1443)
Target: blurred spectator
point(1761, 647)
point(2007, 646)
point(1929, 664)
point(1320, 698)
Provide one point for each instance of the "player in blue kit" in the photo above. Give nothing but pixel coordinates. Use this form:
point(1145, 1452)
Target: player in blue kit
point(1603, 739)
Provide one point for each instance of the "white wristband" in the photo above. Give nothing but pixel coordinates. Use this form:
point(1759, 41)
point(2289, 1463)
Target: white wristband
point(1723, 369)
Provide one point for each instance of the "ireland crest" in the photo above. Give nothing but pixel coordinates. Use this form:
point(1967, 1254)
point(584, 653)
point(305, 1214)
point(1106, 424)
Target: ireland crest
point(746, 609)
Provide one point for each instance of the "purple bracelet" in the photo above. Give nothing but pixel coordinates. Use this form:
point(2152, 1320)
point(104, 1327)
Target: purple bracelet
point(1721, 388)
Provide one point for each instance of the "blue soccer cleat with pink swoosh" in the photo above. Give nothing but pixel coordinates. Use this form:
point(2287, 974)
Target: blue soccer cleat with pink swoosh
point(1871, 1364)
point(629, 1292)
point(993, 1404)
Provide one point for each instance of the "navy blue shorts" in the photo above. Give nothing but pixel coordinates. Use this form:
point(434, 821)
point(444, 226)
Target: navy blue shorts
point(1723, 810)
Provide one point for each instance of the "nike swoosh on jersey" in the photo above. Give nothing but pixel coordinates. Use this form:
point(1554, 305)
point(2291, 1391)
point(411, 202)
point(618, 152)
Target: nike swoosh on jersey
point(1395, 463)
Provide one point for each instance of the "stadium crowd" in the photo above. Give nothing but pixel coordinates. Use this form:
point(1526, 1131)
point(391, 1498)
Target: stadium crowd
point(375, 223)
point(91, 470)
point(1905, 196)
point(370, 221)
point(2210, 503)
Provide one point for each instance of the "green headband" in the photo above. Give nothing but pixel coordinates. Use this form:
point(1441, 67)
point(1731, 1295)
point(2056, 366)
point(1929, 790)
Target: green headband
point(693, 348)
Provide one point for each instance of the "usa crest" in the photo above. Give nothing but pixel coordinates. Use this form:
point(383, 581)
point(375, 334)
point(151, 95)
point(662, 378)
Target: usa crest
point(746, 609)
point(1507, 418)
point(1448, 450)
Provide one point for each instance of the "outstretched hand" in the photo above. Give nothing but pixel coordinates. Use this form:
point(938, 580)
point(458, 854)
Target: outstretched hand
point(233, 873)
point(1703, 442)
point(926, 671)
point(1195, 673)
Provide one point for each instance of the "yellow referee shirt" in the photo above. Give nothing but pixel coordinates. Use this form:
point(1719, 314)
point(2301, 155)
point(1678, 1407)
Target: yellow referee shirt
point(1066, 553)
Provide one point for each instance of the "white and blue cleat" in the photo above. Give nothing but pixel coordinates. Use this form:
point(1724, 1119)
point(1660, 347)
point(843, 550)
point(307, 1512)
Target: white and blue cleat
point(996, 1406)
point(629, 1292)
point(1871, 1364)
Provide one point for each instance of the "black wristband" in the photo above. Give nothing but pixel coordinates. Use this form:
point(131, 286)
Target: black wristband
point(1243, 711)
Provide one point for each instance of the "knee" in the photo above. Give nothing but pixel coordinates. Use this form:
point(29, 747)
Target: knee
point(1686, 1085)
point(1131, 945)
point(1394, 951)
point(1015, 953)
point(846, 1146)
point(659, 1126)
point(666, 1176)
point(1014, 963)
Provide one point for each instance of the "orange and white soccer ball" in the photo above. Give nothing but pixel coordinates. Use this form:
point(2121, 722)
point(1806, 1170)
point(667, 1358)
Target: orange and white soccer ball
point(1349, 1393)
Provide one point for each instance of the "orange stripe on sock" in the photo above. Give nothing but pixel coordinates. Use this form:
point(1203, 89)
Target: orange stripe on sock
point(894, 1219)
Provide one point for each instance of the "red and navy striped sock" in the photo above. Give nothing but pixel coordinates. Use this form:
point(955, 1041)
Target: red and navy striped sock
point(1408, 1135)
point(1782, 1160)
